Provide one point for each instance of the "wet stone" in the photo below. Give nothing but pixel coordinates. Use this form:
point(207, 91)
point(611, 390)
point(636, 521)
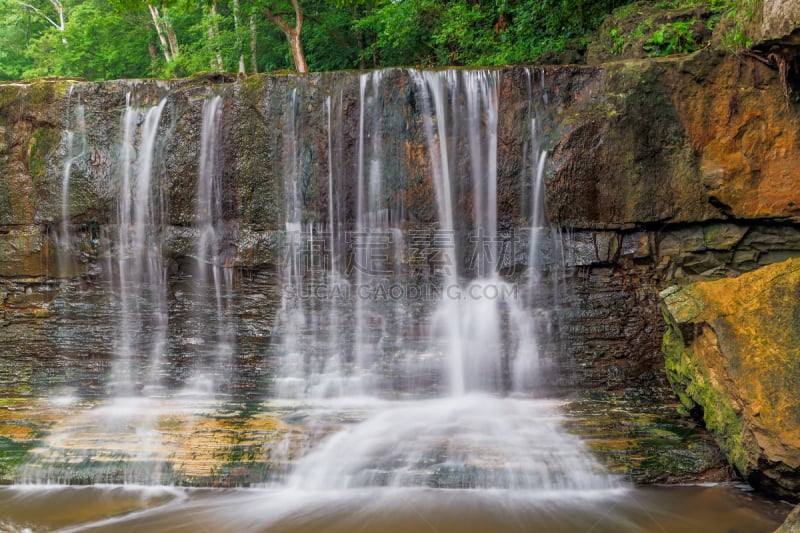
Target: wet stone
point(646, 440)
point(636, 245)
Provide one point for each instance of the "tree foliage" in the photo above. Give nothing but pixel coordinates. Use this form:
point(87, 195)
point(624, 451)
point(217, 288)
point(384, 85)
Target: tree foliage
point(103, 39)
point(97, 44)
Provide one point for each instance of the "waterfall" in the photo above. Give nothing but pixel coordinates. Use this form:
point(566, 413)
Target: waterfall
point(214, 260)
point(295, 312)
point(118, 441)
point(470, 319)
point(336, 379)
point(140, 274)
point(335, 343)
point(545, 293)
point(525, 370)
point(371, 214)
point(408, 340)
point(142, 283)
point(374, 240)
point(481, 427)
point(75, 142)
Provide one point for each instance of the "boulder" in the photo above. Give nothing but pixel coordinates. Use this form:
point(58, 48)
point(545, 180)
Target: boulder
point(776, 20)
point(732, 351)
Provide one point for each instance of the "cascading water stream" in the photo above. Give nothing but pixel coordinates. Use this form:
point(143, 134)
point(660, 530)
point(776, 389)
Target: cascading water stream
point(486, 431)
point(394, 391)
point(141, 274)
point(118, 440)
point(465, 104)
point(75, 141)
point(546, 242)
point(333, 342)
point(296, 312)
point(372, 242)
point(213, 276)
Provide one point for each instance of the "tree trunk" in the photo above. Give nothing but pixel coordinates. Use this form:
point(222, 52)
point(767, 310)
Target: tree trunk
point(173, 41)
point(297, 51)
point(292, 34)
point(213, 34)
point(237, 29)
point(160, 32)
point(253, 43)
point(60, 25)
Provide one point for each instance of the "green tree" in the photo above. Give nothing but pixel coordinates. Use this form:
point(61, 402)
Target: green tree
point(53, 12)
point(97, 43)
point(288, 17)
point(403, 31)
point(328, 37)
point(19, 26)
point(101, 39)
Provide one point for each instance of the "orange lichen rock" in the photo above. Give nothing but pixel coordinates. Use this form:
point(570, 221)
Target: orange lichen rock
point(733, 348)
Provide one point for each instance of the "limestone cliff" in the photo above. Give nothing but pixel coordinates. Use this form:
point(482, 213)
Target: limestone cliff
point(660, 171)
point(669, 169)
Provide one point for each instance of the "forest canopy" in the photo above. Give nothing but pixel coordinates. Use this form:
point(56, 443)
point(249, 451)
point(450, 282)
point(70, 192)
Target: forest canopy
point(108, 39)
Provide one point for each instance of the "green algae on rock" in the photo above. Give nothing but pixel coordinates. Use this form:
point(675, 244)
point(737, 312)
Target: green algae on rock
point(644, 442)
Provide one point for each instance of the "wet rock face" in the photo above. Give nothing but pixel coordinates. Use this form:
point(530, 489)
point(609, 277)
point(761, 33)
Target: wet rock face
point(745, 135)
point(612, 329)
point(662, 171)
point(642, 167)
point(632, 143)
point(30, 117)
point(647, 441)
point(733, 351)
point(686, 140)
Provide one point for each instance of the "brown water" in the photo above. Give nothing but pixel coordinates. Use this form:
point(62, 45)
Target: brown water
point(719, 509)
